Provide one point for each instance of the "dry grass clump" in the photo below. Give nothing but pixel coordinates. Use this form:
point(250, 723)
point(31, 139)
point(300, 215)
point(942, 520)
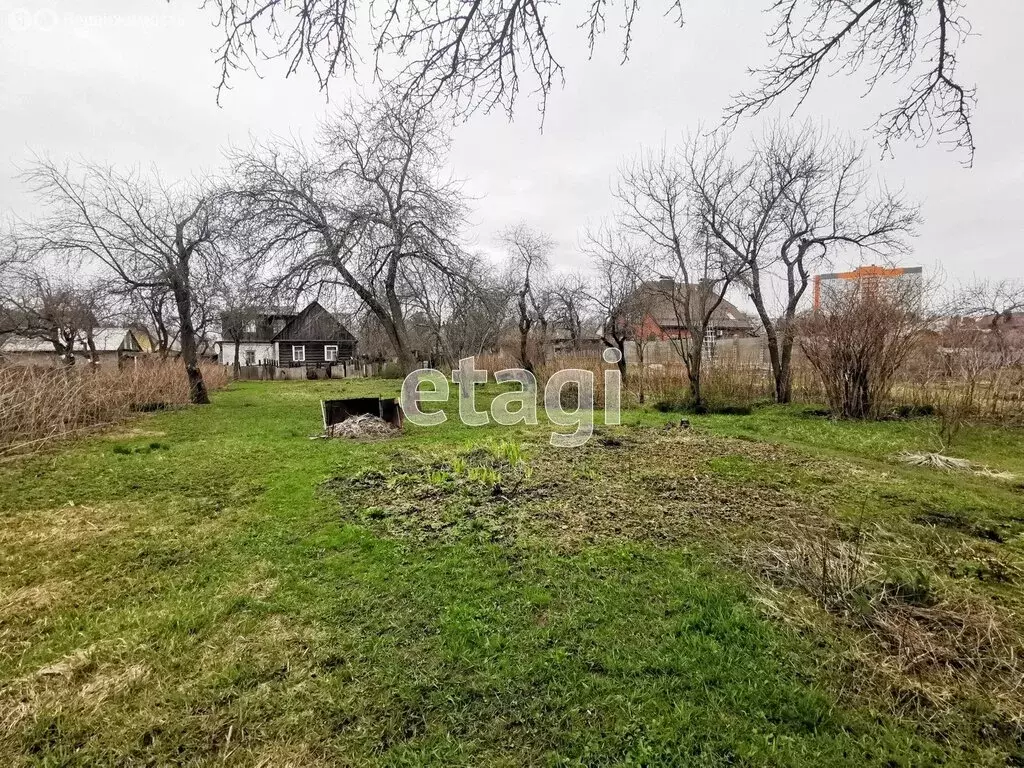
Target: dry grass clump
point(41, 404)
point(940, 461)
point(938, 645)
point(937, 460)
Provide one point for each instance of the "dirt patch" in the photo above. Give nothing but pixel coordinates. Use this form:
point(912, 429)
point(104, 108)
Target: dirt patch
point(634, 484)
point(767, 510)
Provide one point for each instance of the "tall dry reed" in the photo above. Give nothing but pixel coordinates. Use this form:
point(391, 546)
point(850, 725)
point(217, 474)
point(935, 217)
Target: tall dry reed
point(39, 404)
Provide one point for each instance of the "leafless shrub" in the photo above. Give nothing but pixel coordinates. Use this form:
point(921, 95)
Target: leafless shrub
point(859, 339)
point(369, 211)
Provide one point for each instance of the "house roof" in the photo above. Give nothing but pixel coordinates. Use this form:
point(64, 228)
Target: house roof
point(265, 324)
point(24, 344)
point(115, 339)
point(1006, 321)
point(314, 323)
point(105, 339)
point(663, 294)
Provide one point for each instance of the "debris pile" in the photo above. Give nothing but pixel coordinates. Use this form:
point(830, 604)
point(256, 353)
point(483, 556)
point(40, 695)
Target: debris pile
point(948, 462)
point(364, 425)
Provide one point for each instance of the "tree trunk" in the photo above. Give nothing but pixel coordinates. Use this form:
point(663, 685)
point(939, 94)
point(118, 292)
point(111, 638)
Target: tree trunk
point(641, 391)
point(784, 383)
point(784, 371)
point(406, 361)
point(780, 348)
point(94, 356)
point(238, 364)
point(400, 341)
point(693, 373)
point(696, 396)
point(189, 349)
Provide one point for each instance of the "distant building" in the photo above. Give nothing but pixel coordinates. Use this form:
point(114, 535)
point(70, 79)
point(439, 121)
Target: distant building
point(312, 338)
point(837, 284)
point(663, 301)
point(662, 327)
point(110, 346)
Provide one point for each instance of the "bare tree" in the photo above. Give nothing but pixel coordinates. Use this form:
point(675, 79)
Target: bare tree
point(152, 308)
point(529, 251)
point(358, 211)
point(462, 317)
point(243, 298)
point(798, 198)
point(148, 234)
point(659, 194)
point(621, 265)
point(11, 256)
point(46, 305)
point(474, 53)
point(570, 299)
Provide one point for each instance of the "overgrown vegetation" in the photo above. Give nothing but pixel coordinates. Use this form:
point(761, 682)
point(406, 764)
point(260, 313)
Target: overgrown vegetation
point(42, 404)
point(210, 586)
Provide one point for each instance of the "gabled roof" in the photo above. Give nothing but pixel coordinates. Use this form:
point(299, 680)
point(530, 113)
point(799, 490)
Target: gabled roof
point(115, 340)
point(314, 323)
point(661, 295)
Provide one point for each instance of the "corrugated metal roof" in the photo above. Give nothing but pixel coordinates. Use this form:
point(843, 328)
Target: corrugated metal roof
point(105, 339)
point(23, 344)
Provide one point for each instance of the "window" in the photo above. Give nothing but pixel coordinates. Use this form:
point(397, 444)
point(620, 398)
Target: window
point(331, 353)
point(298, 354)
point(250, 357)
point(250, 327)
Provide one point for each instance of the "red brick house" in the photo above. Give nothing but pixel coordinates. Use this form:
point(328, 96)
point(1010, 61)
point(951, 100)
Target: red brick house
point(664, 301)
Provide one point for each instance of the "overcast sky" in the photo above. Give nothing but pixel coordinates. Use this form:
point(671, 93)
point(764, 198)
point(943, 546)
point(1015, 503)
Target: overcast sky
point(132, 81)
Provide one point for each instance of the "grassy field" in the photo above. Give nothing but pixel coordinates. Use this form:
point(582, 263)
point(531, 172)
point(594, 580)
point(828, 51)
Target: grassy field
point(210, 586)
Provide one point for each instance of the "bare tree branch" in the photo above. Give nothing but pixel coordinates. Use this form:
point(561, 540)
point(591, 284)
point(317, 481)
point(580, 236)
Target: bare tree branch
point(889, 40)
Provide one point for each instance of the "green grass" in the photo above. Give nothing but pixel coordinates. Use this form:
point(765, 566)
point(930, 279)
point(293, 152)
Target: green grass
point(202, 587)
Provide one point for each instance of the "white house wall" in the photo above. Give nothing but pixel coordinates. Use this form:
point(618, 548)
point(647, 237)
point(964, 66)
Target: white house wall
point(264, 351)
